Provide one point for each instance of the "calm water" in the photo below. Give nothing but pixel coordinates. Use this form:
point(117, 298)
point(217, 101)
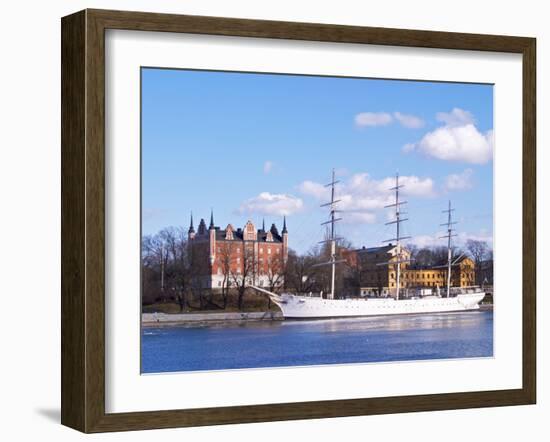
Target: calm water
point(332, 341)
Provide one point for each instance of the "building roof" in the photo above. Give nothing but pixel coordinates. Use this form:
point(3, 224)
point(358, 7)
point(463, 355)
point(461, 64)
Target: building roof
point(380, 249)
point(238, 235)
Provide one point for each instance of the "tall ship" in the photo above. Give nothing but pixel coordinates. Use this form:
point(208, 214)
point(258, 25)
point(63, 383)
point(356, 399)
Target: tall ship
point(396, 302)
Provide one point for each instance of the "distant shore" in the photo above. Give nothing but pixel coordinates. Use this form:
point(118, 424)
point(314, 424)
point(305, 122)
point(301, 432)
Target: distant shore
point(156, 319)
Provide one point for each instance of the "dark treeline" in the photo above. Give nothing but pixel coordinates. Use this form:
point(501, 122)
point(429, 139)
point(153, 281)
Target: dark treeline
point(169, 277)
point(479, 251)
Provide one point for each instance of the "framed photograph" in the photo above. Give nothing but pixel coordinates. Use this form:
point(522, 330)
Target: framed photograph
point(267, 220)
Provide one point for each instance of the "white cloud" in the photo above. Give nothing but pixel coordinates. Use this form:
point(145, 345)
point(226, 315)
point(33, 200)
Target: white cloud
point(372, 119)
point(457, 143)
point(460, 181)
point(313, 189)
point(457, 117)
point(359, 218)
point(268, 166)
point(415, 186)
point(426, 241)
point(436, 240)
point(458, 140)
point(361, 196)
point(409, 147)
point(272, 204)
point(483, 235)
point(409, 121)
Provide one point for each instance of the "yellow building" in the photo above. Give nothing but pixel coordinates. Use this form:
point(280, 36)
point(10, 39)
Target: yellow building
point(379, 277)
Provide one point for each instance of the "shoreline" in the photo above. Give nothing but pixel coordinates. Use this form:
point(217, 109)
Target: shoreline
point(160, 319)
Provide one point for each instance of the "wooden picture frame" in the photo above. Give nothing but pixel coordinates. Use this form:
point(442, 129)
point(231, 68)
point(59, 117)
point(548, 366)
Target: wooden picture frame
point(83, 220)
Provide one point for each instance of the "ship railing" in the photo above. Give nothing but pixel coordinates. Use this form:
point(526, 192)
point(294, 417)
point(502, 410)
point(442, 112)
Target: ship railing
point(311, 294)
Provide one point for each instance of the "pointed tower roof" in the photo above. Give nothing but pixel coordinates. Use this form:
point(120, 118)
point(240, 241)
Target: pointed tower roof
point(191, 228)
point(202, 227)
point(263, 224)
point(284, 225)
point(211, 219)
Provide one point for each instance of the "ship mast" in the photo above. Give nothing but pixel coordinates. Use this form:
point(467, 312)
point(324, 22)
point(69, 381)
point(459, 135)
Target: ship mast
point(449, 224)
point(332, 237)
point(398, 238)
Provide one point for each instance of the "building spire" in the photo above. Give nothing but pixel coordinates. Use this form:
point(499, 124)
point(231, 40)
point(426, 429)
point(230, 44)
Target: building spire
point(284, 225)
point(211, 219)
point(191, 228)
point(263, 224)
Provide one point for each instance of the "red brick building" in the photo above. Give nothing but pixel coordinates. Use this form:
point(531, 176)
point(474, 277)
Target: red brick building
point(223, 257)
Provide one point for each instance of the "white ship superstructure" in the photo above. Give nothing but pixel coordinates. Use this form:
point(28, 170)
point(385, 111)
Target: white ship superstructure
point(329, 306)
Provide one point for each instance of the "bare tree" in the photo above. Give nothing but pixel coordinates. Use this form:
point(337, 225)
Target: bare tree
point(275, 276)
point(300, 275)
point(353, 276)
point(200, 271)
point(155, 257)
point(226, 262)
point(478, 250)
point(244, 273)
point(413, 249)
point(430, 256)
point(165, 267)
point(177, 265)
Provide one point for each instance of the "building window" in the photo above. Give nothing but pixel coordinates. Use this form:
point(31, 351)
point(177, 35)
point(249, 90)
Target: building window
point(269, 251)
point(238, 260)
point(261, 250)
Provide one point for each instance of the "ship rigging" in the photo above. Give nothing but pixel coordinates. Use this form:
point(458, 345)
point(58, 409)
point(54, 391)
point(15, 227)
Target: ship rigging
point(299, 306)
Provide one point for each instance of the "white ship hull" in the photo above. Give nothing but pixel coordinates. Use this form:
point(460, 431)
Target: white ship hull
point(303, 307)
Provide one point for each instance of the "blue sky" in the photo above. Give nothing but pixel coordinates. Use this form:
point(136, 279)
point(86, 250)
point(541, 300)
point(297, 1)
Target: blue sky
point(254, 146)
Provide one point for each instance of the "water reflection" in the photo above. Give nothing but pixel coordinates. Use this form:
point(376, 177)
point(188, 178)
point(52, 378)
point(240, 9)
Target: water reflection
point(313, 342)
point(391, 323)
